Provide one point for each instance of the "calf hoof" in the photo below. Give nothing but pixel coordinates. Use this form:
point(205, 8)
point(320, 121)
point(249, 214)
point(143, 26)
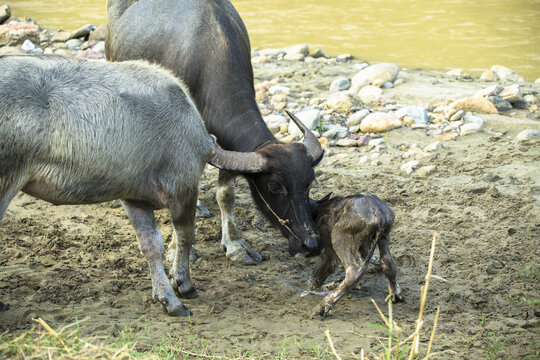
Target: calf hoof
point(397, 298)
point(321, 311)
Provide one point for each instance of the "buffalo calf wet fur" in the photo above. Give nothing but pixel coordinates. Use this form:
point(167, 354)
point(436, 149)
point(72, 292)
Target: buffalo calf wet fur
point(350, 227)
point(81, 132)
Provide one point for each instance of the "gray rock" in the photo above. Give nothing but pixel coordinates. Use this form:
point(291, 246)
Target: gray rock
point(471, 119)
point(469, 128)
point(340, 84)
point(278, 89)
point(298, 49)
point(360, 66)
point(82, 32)
point(387, 85)
point(272, 53)
point(489, 75)
point(28, 46)
point(294, 57)
point(344, 57)
point(511, 93)
point(319, 53)
point(15, 33)
point(347, 143)
point(457, 115)
point(74, 44)
point(382, 73)
point(98, 34)
point(310, 118)
point(493, 90)
point(500, 103)
point(330, 134)
point(357, 117)
point(418, 113)
point(36, 51)
point(528, 134)
point(370, 94)
point(343, 101)
point(99, 47)
point(425, 171)
point(507, 74)
point(408, 167)
point(5, 13)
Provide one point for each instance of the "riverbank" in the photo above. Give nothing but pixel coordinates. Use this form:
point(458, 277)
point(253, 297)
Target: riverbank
point(444, 150)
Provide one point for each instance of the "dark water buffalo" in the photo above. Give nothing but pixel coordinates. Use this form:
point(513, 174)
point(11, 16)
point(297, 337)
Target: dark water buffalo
point(350, 227)
point(206, 44)
point(82, 132)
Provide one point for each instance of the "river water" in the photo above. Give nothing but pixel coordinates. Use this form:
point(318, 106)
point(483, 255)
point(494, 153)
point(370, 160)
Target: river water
point(426, 34)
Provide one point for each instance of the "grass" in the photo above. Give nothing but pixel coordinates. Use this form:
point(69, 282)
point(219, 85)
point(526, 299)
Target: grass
point(44, 342)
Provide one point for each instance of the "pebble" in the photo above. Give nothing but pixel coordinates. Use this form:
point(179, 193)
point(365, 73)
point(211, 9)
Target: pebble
point(379, 122)
point(99, 47)
point(474, 119)
point(364, 159)
point(387, 85)
point(340, 84)
point(297, 49)
point(505, 73)
point(275, 122)
point(469, 128)
point(278, 89)
point(370, 94)
point(357, 117)
point(489, 75)
point(408, 167)
point(511, 93)
point(294, 57)
point(272, 53)
point(98, 34)
point(343, 101)
point(74, 44)
point(434, 146)
point(476, 104)
point(500, 103)
point(383, 72)
point(457, 115)
point(15, 33)
point(320, 53)
point(425, 171)
point(347, 143)
point(60, 36)
point(528, 135)
point(82, 32)
point(490, 91)
point(418, 113)
point(310, 118)
point(28, 46)
point(344, 57)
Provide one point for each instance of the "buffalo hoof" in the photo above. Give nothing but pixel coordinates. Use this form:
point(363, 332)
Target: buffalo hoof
point(179, 310)
point(190, 294)
point(243, 254)
point(321, 311)
point(397, 298)
point(202, 211)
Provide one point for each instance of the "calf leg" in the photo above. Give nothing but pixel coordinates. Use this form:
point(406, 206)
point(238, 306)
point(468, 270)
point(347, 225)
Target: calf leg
point(183, 219)
point(237, 249)
point(389, 268)
point(326, 266)
point(346, 249)
point(151, 245)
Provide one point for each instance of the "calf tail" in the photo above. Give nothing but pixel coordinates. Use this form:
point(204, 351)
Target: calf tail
point(370, 254)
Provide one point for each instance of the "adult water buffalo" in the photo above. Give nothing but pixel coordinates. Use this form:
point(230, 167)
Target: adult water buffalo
point(206, 44)
point(81, 132)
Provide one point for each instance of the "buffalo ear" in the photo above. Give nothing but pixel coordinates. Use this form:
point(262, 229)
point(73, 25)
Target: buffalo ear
point(325, 198)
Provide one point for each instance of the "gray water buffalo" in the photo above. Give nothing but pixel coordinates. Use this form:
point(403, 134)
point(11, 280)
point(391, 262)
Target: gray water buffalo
point(205, 43)
point(82, 132)
point(350, 228)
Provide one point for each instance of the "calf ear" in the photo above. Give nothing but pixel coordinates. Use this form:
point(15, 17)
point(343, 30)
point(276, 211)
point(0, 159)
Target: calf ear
point(325, 198)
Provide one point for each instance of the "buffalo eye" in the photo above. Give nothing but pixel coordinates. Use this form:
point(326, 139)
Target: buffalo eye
point(277, 189)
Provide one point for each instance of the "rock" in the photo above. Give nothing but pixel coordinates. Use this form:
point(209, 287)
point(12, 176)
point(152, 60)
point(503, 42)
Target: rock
point(74, 44)
point(469, 128)
point(537, 81)
point(434, 146)
point(82, 32)
point(471, 119)
point(6, 50)
point(335, 131)
point(28, 46)
point(344, 57)
point(16, 33)
point(500, 103)
point(99, 47)
point(370, 94)
point(310, 118)
point(447, 136)
point(90, 54)
point(528, 134)
point(493, 90)
point(60, 36)
point(357, 117)
point(374, 142)
point(272, 53)
point(319, 53)
point(507, 74)
point(258, 59)
point(340, 84)
point(360, 66)
point(5, 13)
point(457, 115)
point(98, 34)
point(347, 142)
point(475, 104)
point(294, 57)
point(278, 89)
point(378, 122)
point(511, 93)
point(408, 167)
point(456, 72)
point(387, 85)
point(425, 171)
point(384, 72)
point(489, 75)
point(343, 101)
point(297, 49)
point(418, 113)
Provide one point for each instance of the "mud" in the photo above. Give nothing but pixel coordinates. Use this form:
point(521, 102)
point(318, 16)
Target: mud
point(63, 263)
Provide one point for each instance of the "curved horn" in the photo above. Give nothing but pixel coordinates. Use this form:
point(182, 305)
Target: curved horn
point(244, 162)
point(312, 144)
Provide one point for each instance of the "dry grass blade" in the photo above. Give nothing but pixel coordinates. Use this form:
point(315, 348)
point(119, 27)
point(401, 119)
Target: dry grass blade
point(433, 332)
point(327, 333)
point(51, 331)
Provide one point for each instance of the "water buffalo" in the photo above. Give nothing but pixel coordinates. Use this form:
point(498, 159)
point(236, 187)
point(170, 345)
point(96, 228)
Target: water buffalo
point(82, 132)
point(206, 44)
point(350, 228)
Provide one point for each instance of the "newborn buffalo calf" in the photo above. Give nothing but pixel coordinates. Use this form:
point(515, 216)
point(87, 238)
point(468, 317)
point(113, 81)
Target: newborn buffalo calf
point(349, 228)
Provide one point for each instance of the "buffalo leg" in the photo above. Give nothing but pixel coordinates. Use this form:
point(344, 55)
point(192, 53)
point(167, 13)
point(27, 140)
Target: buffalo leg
point(151, 245)
point(346, 249)
point(183, 220)
point(8, 190)
point(237, 249)
point(389, 268)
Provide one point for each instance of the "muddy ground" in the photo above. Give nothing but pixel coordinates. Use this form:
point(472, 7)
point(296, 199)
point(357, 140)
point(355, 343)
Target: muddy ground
point(63, 263)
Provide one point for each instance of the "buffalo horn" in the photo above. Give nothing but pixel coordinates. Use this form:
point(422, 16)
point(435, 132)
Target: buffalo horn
point(312, 144)
point(243, 162)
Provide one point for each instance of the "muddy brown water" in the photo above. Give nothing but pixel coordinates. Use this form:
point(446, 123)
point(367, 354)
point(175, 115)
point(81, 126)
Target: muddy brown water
point(63, 263)
point(443, 34)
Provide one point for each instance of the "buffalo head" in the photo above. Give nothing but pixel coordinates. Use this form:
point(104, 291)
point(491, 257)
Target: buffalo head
point(280, 176)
